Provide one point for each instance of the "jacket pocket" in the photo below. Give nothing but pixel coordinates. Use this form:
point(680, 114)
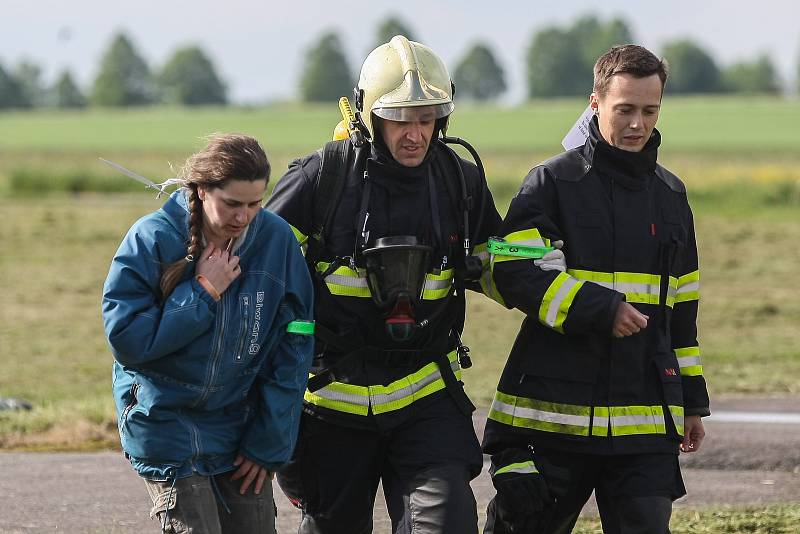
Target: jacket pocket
point(245, 306)
point(567, 375)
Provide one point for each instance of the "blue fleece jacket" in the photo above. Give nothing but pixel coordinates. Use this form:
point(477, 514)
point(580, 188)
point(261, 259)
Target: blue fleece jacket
point(195, 381)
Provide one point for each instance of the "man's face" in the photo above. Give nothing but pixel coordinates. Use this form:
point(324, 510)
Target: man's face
point(408, 140)
point(627, 112)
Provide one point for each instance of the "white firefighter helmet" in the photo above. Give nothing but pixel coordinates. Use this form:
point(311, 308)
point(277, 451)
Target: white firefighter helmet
point(400, 75)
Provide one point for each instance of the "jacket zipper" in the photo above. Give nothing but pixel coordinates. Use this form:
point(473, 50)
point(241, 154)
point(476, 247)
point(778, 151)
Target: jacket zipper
point(609, 424)
point(216, 356)
point(245, 309)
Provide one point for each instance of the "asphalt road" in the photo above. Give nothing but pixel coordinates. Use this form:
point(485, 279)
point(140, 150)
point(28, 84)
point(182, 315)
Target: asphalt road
point(741, 463)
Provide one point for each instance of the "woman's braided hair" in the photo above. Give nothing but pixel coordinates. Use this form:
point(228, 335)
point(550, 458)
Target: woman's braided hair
point(226, 157)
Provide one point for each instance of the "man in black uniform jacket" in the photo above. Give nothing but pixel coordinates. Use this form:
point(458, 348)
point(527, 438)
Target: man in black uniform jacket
point(391, 406)
point(604, 384)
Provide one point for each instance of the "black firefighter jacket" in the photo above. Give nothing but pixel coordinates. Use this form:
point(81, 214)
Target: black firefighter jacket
point(389, 381)
point(628, 235)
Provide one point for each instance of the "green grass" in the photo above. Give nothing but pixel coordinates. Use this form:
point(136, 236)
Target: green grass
point(773, 519)
point(57, 248)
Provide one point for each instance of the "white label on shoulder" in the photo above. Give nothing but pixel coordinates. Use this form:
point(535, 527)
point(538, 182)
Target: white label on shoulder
point(580, 130)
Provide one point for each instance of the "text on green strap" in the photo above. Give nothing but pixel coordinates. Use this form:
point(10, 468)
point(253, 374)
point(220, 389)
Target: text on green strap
point(503, 248)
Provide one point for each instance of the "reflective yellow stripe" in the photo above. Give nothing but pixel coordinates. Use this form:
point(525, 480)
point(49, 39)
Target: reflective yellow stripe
point(357, 400)
point(580, 420)
point(519, 467)
point(340, 397)
point(300, 236)
point(487, 279)
point(677, 417)
point(437, 286)
point(344, 281)
point(689, 361)
point(640, 288)
point(688, 287)
point(529, 236)
point(557, 300)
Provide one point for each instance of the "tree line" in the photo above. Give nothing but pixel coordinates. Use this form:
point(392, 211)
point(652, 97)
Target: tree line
point(558, 62)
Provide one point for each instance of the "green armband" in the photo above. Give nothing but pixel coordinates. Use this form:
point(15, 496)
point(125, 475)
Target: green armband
point(303, 328)
point(502, 248)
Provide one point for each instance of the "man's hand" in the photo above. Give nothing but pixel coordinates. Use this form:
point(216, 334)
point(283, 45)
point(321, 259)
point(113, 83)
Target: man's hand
point(693, 433)
point(628, 321)
point(250, 471)
point(219, 267)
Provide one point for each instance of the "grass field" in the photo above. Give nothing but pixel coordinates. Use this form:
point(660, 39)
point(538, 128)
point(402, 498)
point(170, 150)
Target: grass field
point(776, 519)
point(739, 158)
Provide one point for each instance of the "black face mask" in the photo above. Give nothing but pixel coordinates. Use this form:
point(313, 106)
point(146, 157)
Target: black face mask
point(396, 268)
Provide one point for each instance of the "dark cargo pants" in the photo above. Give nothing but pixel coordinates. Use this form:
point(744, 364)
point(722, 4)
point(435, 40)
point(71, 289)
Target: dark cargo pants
point(634, 493)
point(425, 465)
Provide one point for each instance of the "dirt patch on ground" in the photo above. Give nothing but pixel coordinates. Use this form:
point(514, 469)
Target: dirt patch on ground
point(80, 436)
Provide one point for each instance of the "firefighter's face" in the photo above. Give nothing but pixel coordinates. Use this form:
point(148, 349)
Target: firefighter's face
point(408, 141)
point(628, 110)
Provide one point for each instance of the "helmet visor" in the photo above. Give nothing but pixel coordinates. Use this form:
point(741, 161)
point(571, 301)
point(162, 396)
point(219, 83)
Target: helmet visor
point(415, 113)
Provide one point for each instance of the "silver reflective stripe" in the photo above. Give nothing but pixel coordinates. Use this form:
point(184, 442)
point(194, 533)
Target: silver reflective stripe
point(437, 284)
point(688, 361)
point(688, 288)
point(349, 281)
point(539, 415)
point(558, 299)
point(330, 394)
point(635, 420)
point(522, 467)
point(411, 388)
point(631, 287)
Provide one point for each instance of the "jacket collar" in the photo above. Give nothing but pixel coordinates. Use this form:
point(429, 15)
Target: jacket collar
point(630, 169)
point(385, 171)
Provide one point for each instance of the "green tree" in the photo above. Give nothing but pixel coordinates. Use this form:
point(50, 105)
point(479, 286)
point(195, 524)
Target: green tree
point(390, 27)
point(326, 74)
point(759, 76)
point(478, 75)
point(555, 65)
point(124, 78)
point(560, 60)
point(189, 79)
point(29, 79)
point(691, 69)
point(10, 92)
point(66, 94)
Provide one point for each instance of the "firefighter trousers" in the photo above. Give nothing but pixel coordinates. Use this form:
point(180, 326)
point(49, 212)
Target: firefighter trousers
point(425, 465)
point(634, 493)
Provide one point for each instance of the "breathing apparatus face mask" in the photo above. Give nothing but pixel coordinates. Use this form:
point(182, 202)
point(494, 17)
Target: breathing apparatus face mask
point(396, 268)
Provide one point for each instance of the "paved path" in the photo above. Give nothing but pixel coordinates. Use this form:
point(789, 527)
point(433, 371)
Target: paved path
point(741, 463)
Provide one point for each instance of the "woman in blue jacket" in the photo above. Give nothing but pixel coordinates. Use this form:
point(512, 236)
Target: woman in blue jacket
point(207, 308)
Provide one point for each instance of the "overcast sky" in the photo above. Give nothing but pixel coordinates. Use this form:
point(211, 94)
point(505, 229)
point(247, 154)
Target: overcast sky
point(258, 47)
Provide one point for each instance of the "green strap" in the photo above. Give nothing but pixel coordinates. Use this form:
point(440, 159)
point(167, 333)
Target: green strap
point(503, 248)
point(303, 328)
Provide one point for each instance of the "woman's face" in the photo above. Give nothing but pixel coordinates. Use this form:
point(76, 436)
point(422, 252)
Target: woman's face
point(227, 210)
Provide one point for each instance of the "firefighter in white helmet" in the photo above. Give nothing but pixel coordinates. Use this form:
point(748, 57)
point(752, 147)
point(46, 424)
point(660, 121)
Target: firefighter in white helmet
point(395, 226)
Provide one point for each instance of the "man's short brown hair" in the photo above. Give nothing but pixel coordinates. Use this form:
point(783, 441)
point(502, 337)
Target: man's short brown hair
point(629, 59)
